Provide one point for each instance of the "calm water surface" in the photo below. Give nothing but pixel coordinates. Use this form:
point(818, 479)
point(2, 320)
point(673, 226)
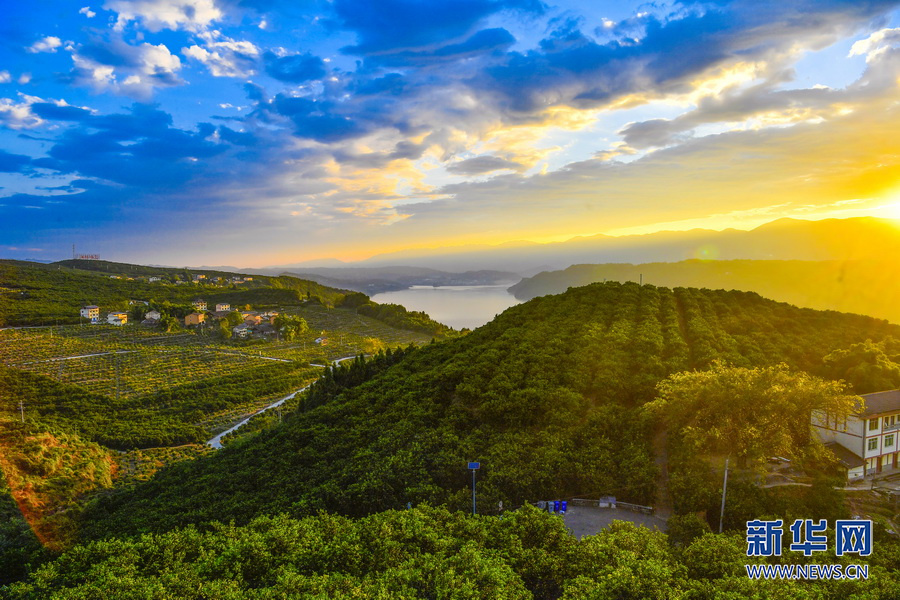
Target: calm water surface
point(455, 305)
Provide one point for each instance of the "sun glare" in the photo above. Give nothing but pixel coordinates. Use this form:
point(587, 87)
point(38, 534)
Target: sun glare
point(892, 210)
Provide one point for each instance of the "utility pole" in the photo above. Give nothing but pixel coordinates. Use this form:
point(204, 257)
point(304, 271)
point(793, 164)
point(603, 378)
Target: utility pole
point(474, 466)
point(22, 410)
point(724, 489)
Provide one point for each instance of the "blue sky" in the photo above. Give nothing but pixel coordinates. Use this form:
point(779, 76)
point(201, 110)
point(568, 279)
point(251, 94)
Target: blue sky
point(261, 132)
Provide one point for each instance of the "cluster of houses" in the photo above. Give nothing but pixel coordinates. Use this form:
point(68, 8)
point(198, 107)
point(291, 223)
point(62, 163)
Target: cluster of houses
point(217, 280)
point(204, 279)
point(258, 324)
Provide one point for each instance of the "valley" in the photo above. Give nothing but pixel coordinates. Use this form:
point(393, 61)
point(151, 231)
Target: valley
point(555, 397)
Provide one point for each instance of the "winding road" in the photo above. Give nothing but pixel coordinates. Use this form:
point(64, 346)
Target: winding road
point(216, 442)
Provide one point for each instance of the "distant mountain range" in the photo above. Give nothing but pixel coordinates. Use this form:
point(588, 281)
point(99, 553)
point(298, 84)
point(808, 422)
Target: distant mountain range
point(784, 239)
point(856, 239)
point(870, 287)
point(374, 280)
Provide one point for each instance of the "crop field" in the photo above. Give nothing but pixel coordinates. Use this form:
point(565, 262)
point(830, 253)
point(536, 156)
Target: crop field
point(132, 373)
point(132, 361)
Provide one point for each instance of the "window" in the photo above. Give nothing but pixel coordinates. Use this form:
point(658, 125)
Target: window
point(873, 444)
point(873, 424)
point(888, 440)
point(889, 421)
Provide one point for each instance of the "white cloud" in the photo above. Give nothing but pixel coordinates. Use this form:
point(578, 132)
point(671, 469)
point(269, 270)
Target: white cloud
point(226, 58)
point(47, 44)
point(876, 44)
point(144, 68)
point(5, 77)
point(86, 11)
point(24, 78)
point(193, 15)
point(18, 115)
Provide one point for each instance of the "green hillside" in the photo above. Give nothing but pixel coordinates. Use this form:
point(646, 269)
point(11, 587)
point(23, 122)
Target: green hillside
point(36, 294)
point(546, 396)
point(868, 287)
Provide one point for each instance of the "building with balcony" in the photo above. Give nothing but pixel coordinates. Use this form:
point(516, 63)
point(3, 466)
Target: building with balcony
point(91, 312)
point(867, 443)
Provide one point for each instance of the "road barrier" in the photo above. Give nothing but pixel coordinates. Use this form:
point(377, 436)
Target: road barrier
point(647, 510)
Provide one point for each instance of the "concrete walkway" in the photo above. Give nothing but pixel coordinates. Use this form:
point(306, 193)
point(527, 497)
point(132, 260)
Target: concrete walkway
point(586, 520)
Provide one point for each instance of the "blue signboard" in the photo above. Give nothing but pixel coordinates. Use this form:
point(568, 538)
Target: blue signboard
point(474, 465)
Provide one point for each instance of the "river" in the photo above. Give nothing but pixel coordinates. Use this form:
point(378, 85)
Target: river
point(455, 305)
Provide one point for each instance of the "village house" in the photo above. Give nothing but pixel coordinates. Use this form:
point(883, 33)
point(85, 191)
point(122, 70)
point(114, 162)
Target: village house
point(133, 302)
point(194, 318)
point(199, 277)
point(866, 443)
point(154, 279)
point(117, 318)
point(199, 304)
point(90, 312)
point(223, 307)
point(153, 314)
point(241, 331)
point(252, 318)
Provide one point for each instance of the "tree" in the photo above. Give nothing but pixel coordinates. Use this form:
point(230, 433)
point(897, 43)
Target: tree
point(748, 413)
point(354, 300)
point(231, 320)
point(291, 327)
point(168, 323)
point(867, 366)
point(137, 313)
point(371, 345)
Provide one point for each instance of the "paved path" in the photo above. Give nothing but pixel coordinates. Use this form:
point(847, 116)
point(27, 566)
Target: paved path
point(59, 358)
point(216, 442)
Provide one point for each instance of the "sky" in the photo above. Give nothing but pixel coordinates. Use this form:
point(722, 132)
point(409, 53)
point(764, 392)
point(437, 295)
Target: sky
point(270, 132)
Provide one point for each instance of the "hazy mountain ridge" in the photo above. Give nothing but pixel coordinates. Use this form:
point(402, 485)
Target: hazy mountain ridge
point(856, 286)
point(785, 239)
point(374, 280)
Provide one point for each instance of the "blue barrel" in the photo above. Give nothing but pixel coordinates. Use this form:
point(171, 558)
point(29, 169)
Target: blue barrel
point(556, 506)
point(565, 506)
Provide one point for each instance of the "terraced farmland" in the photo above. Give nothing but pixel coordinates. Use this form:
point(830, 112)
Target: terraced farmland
point(133, 361)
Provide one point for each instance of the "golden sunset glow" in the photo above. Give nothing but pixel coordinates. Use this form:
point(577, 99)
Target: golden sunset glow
point(571, 132)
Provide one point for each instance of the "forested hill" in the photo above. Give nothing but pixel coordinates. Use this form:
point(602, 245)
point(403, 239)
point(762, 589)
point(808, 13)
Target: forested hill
point(868, 287)
point(545, 396)
point(51, 294)
point(35, 294)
